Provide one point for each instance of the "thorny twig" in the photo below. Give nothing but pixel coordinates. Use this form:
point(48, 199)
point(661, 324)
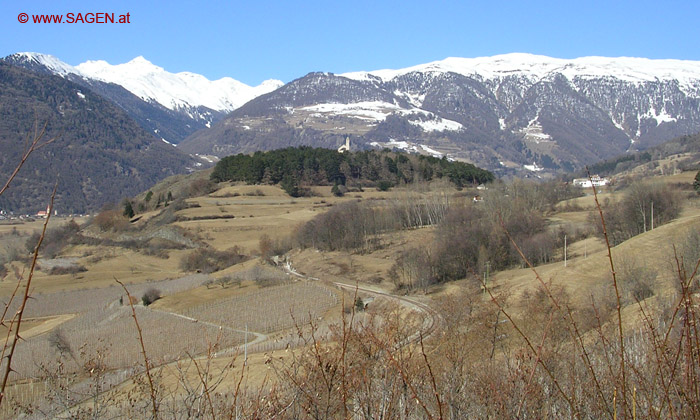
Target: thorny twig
point(25, 298)
point(143, 351)
point(30, 147)
point(623, 370)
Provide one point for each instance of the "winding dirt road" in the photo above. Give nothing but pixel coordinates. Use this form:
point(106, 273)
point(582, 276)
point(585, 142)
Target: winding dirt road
point(431, 318)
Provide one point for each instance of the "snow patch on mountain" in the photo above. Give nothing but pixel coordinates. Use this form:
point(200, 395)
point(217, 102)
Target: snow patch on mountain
point(397, 144)
point(409, 147)
point(533, 167)
point(439, 124)
point(432, 151)
point(502, 123)
point(371, 110)
point(660, 117)
point(377, 111)
point(534, 132)
point(413, 98)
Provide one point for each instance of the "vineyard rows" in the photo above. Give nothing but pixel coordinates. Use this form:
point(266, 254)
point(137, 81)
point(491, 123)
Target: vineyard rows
point(270, 309)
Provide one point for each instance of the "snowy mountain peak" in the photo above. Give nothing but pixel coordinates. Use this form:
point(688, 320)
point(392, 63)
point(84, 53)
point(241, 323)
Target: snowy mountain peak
point(49, 61)
point(139, 66)
point(140, 60)
point(175, 90)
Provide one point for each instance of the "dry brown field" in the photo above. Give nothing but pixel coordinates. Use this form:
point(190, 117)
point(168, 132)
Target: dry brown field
point(85, 307)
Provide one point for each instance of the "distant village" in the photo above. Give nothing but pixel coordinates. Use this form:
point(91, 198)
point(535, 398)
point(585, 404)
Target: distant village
point(41, 214)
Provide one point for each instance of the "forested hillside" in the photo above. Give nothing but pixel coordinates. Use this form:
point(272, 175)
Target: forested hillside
point(318, 166)
point(99, 155)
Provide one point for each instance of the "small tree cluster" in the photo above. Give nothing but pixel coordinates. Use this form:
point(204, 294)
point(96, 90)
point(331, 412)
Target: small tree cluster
point(209, 260)
point(55, 239)
point(355, 226)
point(645, 205)
point(111, 220)
point(471, 236)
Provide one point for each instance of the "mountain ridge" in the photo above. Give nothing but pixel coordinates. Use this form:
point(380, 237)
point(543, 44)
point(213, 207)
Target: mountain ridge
point(629, 68)
point(501, 113)
point(505, 113)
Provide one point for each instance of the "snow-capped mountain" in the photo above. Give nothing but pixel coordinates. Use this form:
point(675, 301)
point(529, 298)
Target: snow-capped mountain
point(499, 112)
point(175, 90)
point(174, 104)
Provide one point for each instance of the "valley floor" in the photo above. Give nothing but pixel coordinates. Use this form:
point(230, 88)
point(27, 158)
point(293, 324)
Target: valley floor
point(238, 331)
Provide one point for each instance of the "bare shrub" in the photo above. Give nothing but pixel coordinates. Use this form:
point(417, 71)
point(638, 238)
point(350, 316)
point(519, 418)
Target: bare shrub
point(690, 251)
point(111, 220)
point(263, 276)
point(209, 260)
point(149, 296)
point(56, 239)
point(265, 247)
point(58, 341)
point(67, 269)
point(636, 278)
point(257, 193)
point(412, 270)
point(159, 247)
point(376, 279)
point(224, 282)
point(200, 187)
point(348, 226)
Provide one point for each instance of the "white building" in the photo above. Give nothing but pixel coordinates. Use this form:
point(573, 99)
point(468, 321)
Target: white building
point(345, 147)
point(594, 181)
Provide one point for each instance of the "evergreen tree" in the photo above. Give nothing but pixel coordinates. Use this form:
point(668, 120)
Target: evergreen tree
point(290, 186)
point(128, 209)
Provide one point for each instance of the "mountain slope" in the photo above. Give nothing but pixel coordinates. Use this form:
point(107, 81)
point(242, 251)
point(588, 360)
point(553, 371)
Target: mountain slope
point(674, 156)
point(500, 112)
point(100, 155)
point(172, 106)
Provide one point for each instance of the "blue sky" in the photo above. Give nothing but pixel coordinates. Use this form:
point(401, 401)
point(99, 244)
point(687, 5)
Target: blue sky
point(256, 40)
